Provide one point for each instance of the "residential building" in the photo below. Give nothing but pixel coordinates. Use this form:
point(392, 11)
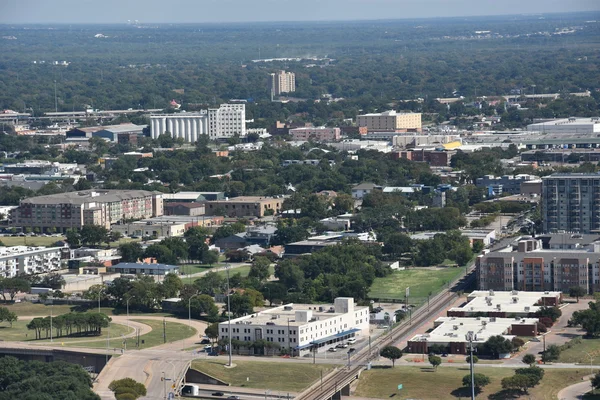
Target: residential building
point(144, 269)
point(390, 121)
point(26, 260)
point(282, 82)
point(317, 134)
point(567, 125)
point(530, 267)
point(451, 333)
point(503, 184)
point(73, 210)
point(571, 203)
point(360, 191)
point(301, 328)
point(245, 206)
point(287, 163)
point(218, 123)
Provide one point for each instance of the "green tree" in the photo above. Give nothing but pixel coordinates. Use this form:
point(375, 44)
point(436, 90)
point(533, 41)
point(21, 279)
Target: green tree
point(210, 257)
point(211, 283)
point(212, 331)
point(131, 252)
point(551, 354)
point(435, 361)
point(517, 382)
point(73, 238)
point(475, 359)
point(392, 353)
point(240, 305)
point(577, 291)
point(596, 381)
point(8, 316)
point(12, 286)
point(536, 374)
point(497, 345)
point(528, 359)
point(480, 381)
point(171, 285)
point(260, 268)
point(127, 386)
point(93, 234)
point(553, 313)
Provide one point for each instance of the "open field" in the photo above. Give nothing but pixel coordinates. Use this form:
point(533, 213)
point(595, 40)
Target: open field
point(420, 280)
point(273, 376)
point(30, 240)
point(175, 331)
point(243, 271)
point(383, 382)
point(578, 353)
point(19, 332)
point(25, 309)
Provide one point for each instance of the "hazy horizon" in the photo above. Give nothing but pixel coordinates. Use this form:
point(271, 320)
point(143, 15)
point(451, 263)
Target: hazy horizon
point(241, 11)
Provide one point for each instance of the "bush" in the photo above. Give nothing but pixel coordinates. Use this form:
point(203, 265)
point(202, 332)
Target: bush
point(475, 359)
point(541, 328)
point(517, 343)
point(546, 321)
point(127, 389)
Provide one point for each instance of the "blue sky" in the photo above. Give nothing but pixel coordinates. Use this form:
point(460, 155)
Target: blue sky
point(190, 11)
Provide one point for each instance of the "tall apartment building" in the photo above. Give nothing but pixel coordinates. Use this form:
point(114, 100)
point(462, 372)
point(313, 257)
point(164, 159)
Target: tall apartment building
point(218, 123)
point(282, 82)
point(301, 328)
point(25, 260)
point(390, 121)
point(87, 207)
point(532, 268)
point(571, 203)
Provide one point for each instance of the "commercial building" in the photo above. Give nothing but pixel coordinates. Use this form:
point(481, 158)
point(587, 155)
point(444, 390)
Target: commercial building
point(483, 236)
point(451, 333)
point(144, 269)
point(317, 134)
point(26, 260)
point(502, 304)
point(503, 184)
point(571, 203)
point(434, 157)
point(73, 210)
point(530, 267)
point(157, 229)
point(316, 243)
point(300, 328)
point(390, 121)
point(244, 206)
point(282, 82)
point(218, 123)
point(192, 197)
point(191, 209)
point(404, 141)
point(567, 125)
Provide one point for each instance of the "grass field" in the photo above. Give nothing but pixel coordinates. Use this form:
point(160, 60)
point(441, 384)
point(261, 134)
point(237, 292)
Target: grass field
point(25, 309)
point(447, 383)
point(579, 352)
point(30, 240)
point(420, 280)
point(243, 271)
point(262, 375)
point(19, 332)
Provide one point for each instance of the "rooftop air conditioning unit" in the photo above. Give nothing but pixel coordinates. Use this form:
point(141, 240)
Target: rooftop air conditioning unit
point(491, 292)
point(527, 308)
point(484, 323)
point(515, 299)
point(455, 327)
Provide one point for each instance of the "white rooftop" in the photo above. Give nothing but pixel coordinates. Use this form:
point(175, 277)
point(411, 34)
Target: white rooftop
point(509, 302)
point(455, 329)
point(10, 252)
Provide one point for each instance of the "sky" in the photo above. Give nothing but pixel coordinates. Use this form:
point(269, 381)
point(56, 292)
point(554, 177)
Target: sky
point(197, 11)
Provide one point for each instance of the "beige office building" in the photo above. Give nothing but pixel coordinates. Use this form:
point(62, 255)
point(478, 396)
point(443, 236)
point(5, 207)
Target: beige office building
point(283, 82)
point(390, 121)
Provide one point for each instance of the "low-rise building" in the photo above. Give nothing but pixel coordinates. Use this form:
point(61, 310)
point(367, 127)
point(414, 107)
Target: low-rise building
point(484, 236)
point(191, 209)
point(26, 260)
point(504, 184)
point(360, 191)
point(451, 333)
point(245, 206)
point(144, 269)
point(514, 303)
point(300, 328)
point(156, 229)
point(391, 121)
point(317, 134)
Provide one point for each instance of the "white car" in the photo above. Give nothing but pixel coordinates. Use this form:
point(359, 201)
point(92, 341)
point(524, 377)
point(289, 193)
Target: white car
point(332, 349)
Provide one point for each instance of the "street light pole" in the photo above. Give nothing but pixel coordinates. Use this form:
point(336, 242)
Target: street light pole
point(190, 310)
point(229, 314)
point(470, 336)
point(591, 360)
point(51, 315)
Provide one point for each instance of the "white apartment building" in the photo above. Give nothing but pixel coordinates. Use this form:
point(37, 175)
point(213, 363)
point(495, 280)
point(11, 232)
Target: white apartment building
point(390, 121)
point(301, 327)
point(282, 82)
point(21, 260)
point(223, 122)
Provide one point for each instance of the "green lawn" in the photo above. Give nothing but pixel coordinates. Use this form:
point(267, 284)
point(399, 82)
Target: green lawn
point(24, 309)
point(577, 353)
point(30, 240)
point(420, 280)
point(19, 332)
point(263, 375)
point(446, 383)
point(243, 271)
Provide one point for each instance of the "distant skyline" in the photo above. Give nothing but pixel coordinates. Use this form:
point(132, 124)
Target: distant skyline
point(199, 11)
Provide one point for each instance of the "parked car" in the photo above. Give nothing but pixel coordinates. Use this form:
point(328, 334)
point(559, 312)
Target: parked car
point(332, 349)
point(351, 350)
point(218, 394)
point(342, 345)
point(234, 397)
point(351, 340)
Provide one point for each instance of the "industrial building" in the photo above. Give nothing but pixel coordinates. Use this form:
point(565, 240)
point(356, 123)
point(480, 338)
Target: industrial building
point(498, 185)
point(530, 267)
point(317, 134)
point(218, 123)
point(571, 202)
point(390, 121)
point(282, 82)
point(27, 260)
point(300, 328)
point(144, 269)
point(73, 210)
point(501, 304)
point(567, 125)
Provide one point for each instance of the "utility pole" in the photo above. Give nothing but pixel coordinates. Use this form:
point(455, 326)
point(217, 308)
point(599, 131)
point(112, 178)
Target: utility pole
point(55, 98)
point(228, 314)
point(164, 330)
point(470, 336)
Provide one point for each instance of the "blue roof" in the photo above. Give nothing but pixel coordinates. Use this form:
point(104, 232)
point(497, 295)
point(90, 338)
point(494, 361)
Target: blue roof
point(328, 338)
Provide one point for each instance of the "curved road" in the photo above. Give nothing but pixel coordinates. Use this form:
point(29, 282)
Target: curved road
point(576, 391)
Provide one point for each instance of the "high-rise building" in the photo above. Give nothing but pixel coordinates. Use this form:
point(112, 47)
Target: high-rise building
point(571, 203)
point(282, 82)
point(218, 123)
point(390, 121)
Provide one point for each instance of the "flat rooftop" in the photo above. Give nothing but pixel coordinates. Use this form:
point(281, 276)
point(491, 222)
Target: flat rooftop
point(510, 302)
point(246, 199)
point(455, 329)
point(89, 196)
point(281, 315)
point(10, 252)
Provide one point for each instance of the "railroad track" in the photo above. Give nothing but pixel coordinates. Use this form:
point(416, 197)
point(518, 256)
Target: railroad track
point(341, 377)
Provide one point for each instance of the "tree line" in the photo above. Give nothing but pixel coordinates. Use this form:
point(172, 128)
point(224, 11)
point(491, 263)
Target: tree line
point(70, 324)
